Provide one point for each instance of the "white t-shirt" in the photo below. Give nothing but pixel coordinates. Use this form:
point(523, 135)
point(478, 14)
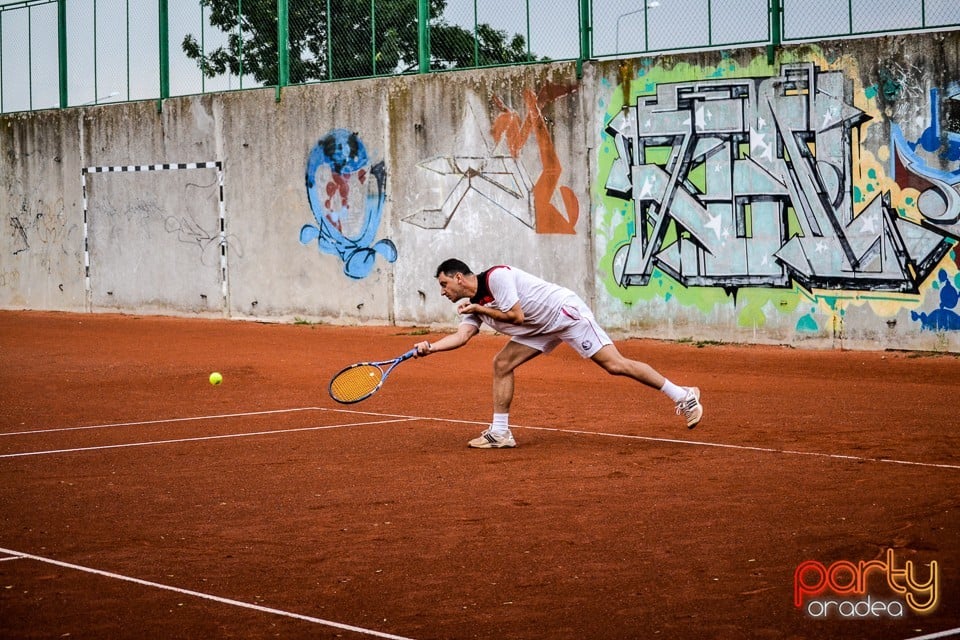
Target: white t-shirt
point(542, 302)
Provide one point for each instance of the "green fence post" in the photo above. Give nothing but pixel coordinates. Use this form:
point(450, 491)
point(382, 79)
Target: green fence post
point(62, 51)
point(586, 35)
point(709, 23)
point(283, 46)
point(423, 35)
point(776, 10)
point(163, 19)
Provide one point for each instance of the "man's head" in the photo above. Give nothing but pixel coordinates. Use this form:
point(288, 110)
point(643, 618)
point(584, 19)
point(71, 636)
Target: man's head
point(456, 280)
point(451, 267)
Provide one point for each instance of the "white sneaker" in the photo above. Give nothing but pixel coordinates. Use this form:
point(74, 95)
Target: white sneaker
point(690, 407)
point(490, 440)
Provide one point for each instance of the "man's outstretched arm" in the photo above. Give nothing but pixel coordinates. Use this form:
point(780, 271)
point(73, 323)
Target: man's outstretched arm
point(449, 342)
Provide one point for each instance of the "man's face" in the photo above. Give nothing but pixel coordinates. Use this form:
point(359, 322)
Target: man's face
point(451, 287)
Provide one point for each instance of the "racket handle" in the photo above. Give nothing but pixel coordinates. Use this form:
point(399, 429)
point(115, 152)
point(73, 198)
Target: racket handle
point(407, 355)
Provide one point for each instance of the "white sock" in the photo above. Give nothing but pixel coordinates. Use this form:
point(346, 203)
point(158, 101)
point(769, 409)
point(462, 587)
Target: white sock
point(674, 392)
point(501, 424)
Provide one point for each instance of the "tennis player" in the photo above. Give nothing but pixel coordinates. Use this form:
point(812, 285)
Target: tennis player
point(538, 316)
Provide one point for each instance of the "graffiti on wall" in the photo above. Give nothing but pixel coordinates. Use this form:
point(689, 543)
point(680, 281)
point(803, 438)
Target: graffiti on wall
point(757, 182)
point(41, 226)
point(515, 131)
point(40, 220)
point(919, 164)
point(501, 179)
point(347, 195)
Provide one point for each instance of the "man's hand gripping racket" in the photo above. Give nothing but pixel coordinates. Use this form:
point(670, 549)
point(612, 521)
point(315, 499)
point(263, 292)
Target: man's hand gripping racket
point(361, 380)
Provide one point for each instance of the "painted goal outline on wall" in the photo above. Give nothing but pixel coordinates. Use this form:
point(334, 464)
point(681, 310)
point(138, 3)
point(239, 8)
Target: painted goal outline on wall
point(176, 166)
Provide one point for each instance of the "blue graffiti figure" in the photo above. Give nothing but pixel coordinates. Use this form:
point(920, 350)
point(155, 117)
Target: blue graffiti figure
point(942, 319)
point(930, 139)
point(343, 155)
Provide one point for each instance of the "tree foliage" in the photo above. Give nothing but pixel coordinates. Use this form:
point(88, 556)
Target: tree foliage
point(351, 42)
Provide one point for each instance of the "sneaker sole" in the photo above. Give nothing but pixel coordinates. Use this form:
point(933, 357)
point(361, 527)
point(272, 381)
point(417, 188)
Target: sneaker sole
point(488, 445)
point(700, 417)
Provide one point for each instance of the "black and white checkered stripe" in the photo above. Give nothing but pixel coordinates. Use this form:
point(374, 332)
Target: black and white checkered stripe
point(155, 167)
point(170, 166)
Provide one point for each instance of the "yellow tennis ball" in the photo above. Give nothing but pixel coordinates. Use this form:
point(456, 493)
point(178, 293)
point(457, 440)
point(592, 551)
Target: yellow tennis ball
point(216, 378)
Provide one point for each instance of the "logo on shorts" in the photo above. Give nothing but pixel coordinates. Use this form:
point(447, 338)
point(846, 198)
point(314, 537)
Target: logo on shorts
point(585, 345)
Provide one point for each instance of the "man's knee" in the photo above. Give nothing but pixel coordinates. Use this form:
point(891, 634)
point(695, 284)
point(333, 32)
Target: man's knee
point(614, 364)
point(511, 357)
point(615, 367)
point(501, 366)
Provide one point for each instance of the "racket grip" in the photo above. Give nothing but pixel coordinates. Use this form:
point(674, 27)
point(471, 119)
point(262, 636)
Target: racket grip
point(407, 355)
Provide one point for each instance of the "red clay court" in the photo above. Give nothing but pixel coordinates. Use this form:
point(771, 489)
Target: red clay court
point(139, 501)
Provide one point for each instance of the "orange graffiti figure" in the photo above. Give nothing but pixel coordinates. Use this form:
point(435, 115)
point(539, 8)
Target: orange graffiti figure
point(549, 219)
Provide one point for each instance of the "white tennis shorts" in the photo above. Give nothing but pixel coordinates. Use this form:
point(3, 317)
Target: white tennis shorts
point(576, 326)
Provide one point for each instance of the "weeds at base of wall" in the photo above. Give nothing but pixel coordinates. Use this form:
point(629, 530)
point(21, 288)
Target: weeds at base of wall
point(700, 344)
point(941, 348)
point(929, 354)
point(305, 322)
point(414, 331)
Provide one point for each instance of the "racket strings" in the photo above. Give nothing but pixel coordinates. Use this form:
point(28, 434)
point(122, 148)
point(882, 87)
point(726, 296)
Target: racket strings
point(355, 383)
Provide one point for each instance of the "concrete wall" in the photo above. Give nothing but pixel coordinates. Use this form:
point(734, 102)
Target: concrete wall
point(714, 196)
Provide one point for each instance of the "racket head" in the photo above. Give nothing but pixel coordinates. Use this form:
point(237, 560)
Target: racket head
point(355, 383)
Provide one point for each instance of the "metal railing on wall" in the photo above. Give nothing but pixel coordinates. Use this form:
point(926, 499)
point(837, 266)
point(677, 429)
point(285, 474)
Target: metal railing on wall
point(65, 53)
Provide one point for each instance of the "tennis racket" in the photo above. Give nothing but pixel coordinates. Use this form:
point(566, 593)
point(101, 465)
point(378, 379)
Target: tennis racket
point(360, 381)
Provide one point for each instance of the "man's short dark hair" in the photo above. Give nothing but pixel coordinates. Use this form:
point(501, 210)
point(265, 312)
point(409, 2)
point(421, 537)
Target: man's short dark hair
point(451, 267)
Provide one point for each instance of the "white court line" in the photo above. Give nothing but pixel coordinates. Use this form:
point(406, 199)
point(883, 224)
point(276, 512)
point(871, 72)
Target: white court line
point(162, 421)
point(206, 596)
point(675, 441)
point(401, 418)
point(746, 447)
point(698, 443)
point(199, 438)
point(939, 634)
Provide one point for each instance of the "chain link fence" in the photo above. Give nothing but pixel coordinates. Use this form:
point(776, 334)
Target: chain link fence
point(822, 19)
point(61, 53)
